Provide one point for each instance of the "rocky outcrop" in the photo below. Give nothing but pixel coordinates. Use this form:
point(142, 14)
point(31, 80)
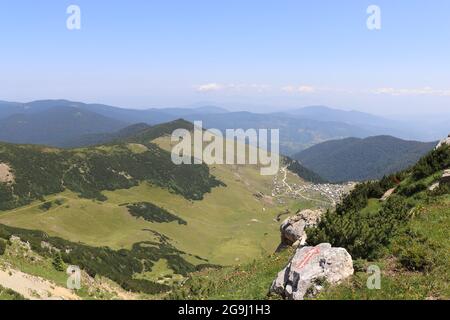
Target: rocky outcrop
point(445, 179)
point(444, 141)
point(387, 194)
point(293, 228)
point(6, 174)
point(310, 268)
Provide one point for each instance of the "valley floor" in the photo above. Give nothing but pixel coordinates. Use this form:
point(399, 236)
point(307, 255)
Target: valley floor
point(253, 280)
point(232, 225)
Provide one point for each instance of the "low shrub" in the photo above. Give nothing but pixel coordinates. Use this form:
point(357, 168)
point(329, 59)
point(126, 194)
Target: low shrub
point(2, 247)
point(414, 251)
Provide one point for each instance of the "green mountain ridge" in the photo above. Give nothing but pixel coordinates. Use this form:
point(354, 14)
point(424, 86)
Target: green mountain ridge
point(54, 126)
point(40, 171)
point(42, 122)
point(356, 159)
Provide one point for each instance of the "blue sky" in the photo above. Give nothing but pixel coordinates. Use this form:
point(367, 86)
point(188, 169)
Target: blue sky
point(242, 54)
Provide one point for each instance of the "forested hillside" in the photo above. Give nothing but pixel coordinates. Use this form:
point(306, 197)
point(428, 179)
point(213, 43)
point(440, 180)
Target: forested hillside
point(356, 159)
point(39, 171)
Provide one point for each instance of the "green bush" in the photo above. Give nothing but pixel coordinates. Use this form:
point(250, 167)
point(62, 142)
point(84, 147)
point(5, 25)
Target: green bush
point(150, 212)
point(46, 206)
point(414, 251)
point(435, 161)
point(2, 247)
point(360, 265)
point(58, 262)
point(362, 234)
point(10, 294)
point(412, 189)
point(443, 189)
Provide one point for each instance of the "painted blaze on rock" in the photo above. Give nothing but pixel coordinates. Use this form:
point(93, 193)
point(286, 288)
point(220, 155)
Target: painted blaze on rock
point(309, 268)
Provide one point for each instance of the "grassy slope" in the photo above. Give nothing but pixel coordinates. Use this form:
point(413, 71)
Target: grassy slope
point(424, 239)
point(31, 263)
point(7, 294)
point(230, 225)
point(432, 221)
point(252, 281)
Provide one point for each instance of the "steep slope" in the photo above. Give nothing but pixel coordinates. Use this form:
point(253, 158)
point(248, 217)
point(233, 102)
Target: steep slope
point(405, 237)
point(356, 159)
point(55, 125)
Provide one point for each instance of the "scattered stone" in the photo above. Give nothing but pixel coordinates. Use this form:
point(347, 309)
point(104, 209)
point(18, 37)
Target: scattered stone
point(293, 228)
point(309, 270)
point(49, 247)
point(17, 241)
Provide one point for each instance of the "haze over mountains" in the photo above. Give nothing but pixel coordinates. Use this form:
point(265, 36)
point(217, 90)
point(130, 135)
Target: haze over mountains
point(64, 123)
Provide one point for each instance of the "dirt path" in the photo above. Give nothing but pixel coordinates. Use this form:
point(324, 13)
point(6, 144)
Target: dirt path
point(34, 288)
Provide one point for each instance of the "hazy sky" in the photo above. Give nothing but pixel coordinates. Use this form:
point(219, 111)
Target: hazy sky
point(250, 54)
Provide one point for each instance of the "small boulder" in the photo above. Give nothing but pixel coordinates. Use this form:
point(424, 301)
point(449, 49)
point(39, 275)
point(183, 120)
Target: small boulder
point(293, 228)
point(310, 268)
point(434, 186)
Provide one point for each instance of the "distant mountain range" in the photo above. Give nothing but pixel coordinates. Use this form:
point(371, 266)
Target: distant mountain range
point(102, 138)
point(64, 123)
point(354, 159)
point(54, 126)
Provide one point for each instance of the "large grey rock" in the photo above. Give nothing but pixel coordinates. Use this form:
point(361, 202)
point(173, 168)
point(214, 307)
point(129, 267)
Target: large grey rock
point(293, 228)
point(310, 268)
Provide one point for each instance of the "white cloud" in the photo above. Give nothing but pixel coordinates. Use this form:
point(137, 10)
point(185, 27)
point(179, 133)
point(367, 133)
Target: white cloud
point(308, 89)
point(299, 89)
point(209, 87)
point(412, 92)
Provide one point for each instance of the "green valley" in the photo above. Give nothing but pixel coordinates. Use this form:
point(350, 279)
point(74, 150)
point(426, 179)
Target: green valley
point(193, 216)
